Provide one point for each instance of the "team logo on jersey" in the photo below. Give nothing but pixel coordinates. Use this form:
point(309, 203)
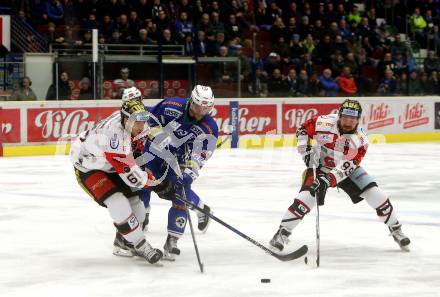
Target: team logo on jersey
point(181, 133)
point(325, 138)
point(114, 142)
point(172, 112)
point(196, 130)
point(180, 222)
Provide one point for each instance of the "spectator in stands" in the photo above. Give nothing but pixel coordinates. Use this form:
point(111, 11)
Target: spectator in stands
point(224, 70)
point(52, 36)
point(162, 22)
point(183, 26)
point(156, 9)
point(414, 84)
point(143, 38)
point(201, 46)
point(303, 84)
point(217, 25)
point(344, 30)
point(276, 85)
point(291, 29)
point(214, 46)
point(282, 48)
point(400, 65)
point(167, 38)
point(329, 86)
point(346, 82)
point(122, 83)
point(205, 24)
point(431, 63)
point(277, 30)
point(91, 22)
point(273, 62)
point(292, 82)
point(398, 47)
point(115, 38)
point(432, 86)
point(258, 84)
point(386, 63)
point(106, 26)
point(134, 23)
point(24, 92)
point(418, 25)
point(124, 28)
point(323, 51)
point(296, 50)
point(402, 84)
point(351, 62)
point(339, 46)
point(198, 12)
point(308, 44)
point(304, 28)
point(188, 46)
point(232, 28)
point(53, 11)
point(63, 92)
point(354, 15)
point(337, 63)
point(85, 89)
point(388, 86)
point(143, 9)
point(273, 12)
point(307, 64)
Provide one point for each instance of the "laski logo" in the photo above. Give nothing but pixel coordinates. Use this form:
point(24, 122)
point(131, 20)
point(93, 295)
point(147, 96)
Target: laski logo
point(414, 116)
point(380, 116)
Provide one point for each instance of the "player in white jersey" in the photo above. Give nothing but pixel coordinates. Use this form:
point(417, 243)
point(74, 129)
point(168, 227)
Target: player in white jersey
point(105, 168)
point(340, 146)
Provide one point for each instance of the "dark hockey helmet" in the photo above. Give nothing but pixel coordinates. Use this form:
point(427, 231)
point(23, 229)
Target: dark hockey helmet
point(351, 108)
point(134, 107)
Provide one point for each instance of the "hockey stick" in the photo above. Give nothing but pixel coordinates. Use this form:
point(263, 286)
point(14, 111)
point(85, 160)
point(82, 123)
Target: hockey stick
point(221, 143)
point(286, 257)
point(318, 237)
point(196, 248)
point(227, 131)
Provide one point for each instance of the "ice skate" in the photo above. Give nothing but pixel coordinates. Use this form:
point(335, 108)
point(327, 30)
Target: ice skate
point(146, 251)
point(401, 239)
point(204, 219)
point(280, 239)
point(122, 247)
point(170, 248)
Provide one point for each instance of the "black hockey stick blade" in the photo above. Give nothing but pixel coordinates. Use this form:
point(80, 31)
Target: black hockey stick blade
point(293, 255)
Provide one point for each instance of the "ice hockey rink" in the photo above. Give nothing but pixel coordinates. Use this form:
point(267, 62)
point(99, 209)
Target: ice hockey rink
point(55, 241)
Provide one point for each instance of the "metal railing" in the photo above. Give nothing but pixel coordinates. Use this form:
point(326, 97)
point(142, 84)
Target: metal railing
point(115, 49)
point(26, 38)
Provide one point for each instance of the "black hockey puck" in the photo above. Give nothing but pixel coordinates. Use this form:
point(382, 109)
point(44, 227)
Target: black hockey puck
point(306, 260)
point(265, 280)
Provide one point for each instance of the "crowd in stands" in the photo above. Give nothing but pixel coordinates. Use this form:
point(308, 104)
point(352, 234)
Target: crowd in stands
point(315, 48)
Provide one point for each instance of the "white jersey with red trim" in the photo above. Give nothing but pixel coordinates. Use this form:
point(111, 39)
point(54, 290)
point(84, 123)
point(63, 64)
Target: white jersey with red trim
point(339, 154)
point(107, 147)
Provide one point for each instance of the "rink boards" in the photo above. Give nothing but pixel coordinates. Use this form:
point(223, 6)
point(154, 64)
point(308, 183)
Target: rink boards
point(46, 128)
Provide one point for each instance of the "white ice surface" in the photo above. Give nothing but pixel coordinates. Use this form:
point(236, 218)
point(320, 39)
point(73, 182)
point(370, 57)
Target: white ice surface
point(55, 241)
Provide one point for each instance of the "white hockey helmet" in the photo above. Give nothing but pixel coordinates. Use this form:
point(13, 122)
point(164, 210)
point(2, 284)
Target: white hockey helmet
point(132, 93)
point(202, 96)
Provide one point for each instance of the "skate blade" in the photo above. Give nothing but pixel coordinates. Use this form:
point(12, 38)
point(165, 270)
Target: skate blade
point(122, 253)
point(168, 257)
point(405, 248)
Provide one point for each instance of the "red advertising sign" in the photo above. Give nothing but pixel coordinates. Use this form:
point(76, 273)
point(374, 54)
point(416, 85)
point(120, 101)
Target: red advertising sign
point(414, 115)
point(49, 124)
point(10, 125)
point(379, 115)
point(253, 118)
point(296, 114)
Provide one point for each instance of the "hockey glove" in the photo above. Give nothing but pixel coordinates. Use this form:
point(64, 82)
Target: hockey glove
point(320, 185)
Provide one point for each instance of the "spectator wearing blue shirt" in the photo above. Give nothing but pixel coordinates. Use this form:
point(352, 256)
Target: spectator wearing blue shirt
point(329, 86)
point(53, 11)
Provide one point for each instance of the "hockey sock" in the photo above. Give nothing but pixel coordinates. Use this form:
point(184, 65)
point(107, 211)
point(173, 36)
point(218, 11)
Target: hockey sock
point(300, 207)
point(138, 209)
point(177, 217)
point(380, 202)
point(123, 218)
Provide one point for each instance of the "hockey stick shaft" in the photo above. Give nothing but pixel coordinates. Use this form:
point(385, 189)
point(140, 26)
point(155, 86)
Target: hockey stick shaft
point(196, 248)
point(318, 236)
point(291, 256)
point(194, 241)
point(221, 143)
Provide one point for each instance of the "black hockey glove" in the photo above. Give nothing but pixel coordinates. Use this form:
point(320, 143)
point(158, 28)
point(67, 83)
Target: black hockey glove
point(164, 190)
point(307, 155)
point(320, 185)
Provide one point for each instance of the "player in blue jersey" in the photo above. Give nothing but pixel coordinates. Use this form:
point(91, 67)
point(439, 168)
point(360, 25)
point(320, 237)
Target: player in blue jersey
point(188, 132)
